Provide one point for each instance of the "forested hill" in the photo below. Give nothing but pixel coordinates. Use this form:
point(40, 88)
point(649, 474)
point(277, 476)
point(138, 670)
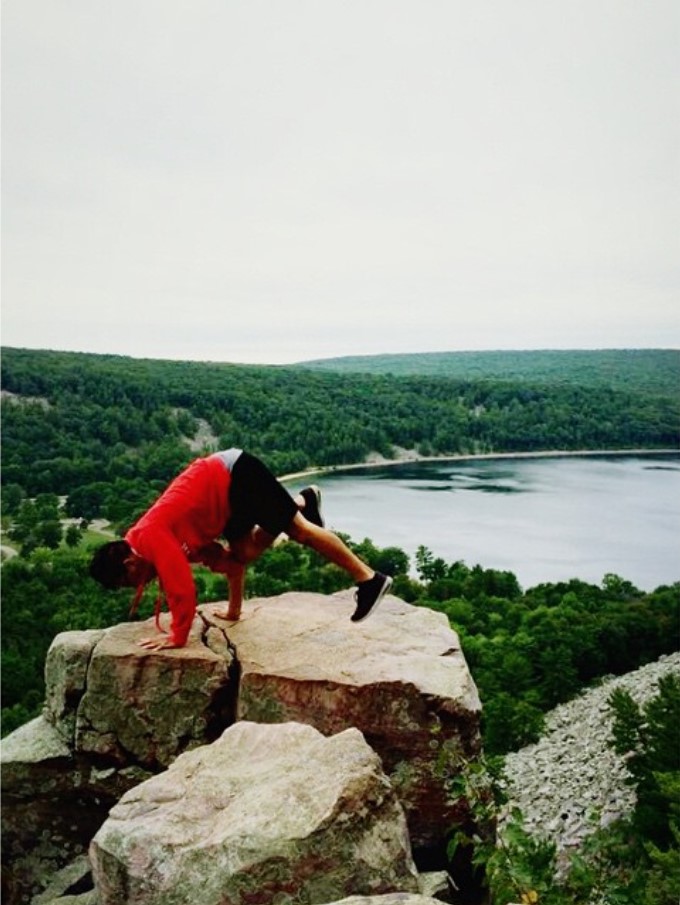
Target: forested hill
point(88, 437)
point(73, 422)
point(648, 370)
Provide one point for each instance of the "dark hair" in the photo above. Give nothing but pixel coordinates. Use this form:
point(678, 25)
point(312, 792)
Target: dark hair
point(108, 564)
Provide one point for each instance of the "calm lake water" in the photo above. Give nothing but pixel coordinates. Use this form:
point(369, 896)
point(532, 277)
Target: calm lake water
point(546, 520)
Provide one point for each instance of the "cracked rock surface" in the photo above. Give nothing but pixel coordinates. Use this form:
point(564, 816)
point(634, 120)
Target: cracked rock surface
point(124, 704)
point(400, 677)
point(266, 813)
point(115, 710)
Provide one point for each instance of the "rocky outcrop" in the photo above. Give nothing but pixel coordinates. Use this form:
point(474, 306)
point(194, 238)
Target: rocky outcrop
point(400, 677)
point(113, 716)
point(571, 781)
point(108, 698)
point(266, 813)
point(53, 801)
point(116, 713)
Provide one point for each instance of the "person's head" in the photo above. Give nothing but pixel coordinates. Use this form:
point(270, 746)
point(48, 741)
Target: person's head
point(116, 565)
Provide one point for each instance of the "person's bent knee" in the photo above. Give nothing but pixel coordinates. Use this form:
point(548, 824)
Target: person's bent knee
point(252, 546)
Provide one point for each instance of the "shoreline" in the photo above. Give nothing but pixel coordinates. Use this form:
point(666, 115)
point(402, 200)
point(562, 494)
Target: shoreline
point(411, 456)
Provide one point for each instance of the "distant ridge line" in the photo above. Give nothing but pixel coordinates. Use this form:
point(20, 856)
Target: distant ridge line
point(650, 370)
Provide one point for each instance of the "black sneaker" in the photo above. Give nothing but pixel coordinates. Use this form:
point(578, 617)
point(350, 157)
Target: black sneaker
point(312, 511)
point(369, 594)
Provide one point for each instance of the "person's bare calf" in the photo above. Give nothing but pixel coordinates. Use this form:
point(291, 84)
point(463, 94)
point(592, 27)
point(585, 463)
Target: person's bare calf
point(330, 546)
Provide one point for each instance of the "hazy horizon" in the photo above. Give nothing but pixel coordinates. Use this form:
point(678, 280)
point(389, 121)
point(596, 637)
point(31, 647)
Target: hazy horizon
point(267, 182)
point(433, 352)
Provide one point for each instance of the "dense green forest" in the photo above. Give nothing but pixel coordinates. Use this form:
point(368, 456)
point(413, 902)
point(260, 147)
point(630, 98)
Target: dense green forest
point(646, 370)
point(100, 429)
point(92, 436)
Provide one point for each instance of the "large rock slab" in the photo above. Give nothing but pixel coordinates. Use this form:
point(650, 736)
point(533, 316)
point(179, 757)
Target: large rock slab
point(66, 666)
point(115, 711)
point(110, 698)
point(400, 677)
point(265, 814)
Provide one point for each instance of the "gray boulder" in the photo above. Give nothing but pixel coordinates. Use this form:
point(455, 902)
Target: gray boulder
point(264, 814)
point(66, 667)
point(400, 677)
point(116, 713)
point(64, 886)
point(136, 706)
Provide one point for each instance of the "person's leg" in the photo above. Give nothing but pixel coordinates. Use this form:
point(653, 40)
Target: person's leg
point(371, 585)
point(259, 499)
point(330, 546)
point(252, 545)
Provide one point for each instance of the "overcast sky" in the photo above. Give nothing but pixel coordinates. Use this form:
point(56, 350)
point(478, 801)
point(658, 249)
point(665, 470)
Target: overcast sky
point(277, 180)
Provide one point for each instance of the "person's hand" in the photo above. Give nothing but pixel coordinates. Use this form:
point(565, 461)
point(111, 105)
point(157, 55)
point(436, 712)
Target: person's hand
point(158, 644)
point(231, 615)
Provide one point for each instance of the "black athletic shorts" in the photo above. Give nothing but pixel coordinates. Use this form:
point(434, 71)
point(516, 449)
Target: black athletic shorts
point(257, 498)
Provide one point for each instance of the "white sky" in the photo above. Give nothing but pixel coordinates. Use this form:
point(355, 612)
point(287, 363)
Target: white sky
point(277, 180)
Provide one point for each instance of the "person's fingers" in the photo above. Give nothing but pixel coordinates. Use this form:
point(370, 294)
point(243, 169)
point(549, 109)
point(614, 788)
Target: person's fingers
point(225, 614)
point(154, 644)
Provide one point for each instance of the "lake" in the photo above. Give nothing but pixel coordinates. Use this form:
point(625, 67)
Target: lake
point(545, 519)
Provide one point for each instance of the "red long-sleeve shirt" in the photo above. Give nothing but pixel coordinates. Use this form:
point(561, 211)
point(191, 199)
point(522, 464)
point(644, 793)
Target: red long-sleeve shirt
point(181, 527)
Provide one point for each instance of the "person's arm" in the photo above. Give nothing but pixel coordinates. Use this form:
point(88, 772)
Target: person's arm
point(236, 576)
point(223, 561)
point(160, 547)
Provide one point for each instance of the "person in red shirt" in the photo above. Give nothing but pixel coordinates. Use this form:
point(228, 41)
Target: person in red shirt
point(229, 494)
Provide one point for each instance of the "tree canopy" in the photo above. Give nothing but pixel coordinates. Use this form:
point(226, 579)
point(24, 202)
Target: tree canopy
point(74, 422)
